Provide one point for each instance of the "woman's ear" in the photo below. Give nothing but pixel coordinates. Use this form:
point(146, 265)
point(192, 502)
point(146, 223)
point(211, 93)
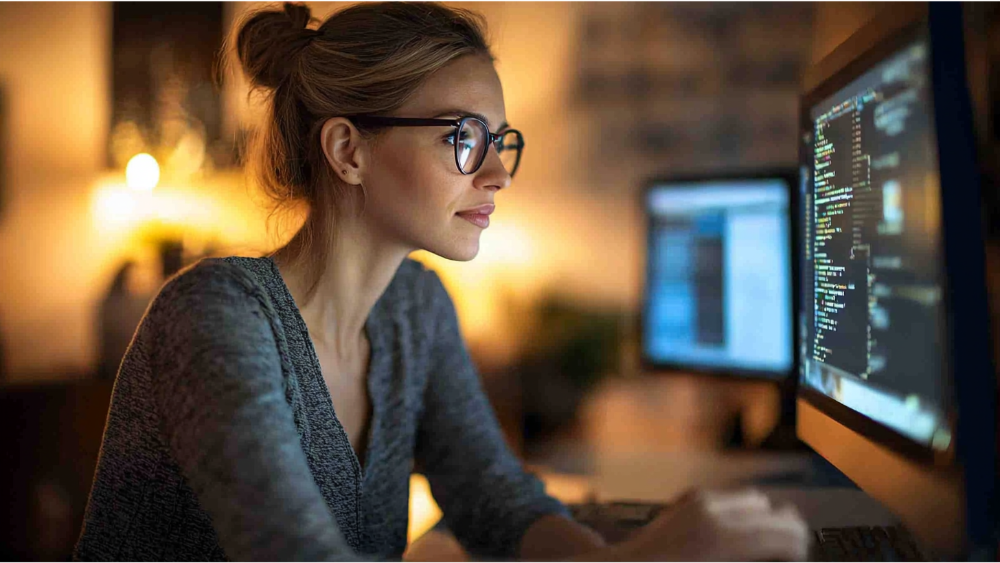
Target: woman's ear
point(344, 148)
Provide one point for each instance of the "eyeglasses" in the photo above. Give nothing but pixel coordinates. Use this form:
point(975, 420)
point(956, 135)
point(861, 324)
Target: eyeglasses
point(471, 138)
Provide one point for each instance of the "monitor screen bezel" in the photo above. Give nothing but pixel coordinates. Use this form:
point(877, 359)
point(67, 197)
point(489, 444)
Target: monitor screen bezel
point(850, 61)
point(652, 365)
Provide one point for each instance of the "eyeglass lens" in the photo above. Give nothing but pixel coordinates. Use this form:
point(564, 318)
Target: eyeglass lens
point(473, 145)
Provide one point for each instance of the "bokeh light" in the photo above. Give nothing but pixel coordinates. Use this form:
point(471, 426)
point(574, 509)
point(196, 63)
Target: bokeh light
point(142, 172)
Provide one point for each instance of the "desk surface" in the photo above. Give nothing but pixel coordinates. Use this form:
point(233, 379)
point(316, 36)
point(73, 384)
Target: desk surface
point(575, 475)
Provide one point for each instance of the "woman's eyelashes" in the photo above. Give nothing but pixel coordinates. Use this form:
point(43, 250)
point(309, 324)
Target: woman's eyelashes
point(467, 144)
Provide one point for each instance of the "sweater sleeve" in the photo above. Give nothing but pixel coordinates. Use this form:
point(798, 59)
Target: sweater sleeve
point(219, 394)
point(488, 499)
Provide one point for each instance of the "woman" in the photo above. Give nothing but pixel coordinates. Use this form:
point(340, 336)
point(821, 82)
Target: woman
point(274, 408)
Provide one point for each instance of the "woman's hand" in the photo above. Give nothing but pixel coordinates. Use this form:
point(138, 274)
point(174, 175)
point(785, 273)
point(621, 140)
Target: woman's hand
point(720, 526)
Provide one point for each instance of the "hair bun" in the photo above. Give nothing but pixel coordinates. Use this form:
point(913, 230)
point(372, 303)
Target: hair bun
point(270, 39)
point(298, 14)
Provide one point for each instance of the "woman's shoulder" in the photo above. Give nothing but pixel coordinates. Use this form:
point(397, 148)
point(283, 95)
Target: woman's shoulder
point(213, 276)
point(413, 272)
point(206, 286)
point(417, 283)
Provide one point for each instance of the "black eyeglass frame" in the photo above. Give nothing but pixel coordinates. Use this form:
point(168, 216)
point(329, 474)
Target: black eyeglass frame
point(381, 121)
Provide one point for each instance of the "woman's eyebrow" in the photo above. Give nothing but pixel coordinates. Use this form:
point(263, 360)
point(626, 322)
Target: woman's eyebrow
point(467, 113)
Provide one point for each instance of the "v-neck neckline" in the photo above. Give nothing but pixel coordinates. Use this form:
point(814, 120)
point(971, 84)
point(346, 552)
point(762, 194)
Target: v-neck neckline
point(374, 364)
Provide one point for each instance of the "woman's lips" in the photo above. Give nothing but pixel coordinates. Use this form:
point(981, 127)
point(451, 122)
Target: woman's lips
point(478, 219)
point(478, 216)
point(484, 209)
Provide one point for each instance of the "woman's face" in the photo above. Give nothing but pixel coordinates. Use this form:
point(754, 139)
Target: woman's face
point(415, 192)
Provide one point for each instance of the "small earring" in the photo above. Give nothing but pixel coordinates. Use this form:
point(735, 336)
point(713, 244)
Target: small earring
point(344, 171)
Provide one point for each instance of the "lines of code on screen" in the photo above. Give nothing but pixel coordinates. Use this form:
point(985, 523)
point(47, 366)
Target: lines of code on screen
point(872, 283)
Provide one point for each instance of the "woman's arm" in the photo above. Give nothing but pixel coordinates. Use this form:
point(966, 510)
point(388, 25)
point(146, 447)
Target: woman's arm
point(551, 538)
point(558, 538)
point(489, 501)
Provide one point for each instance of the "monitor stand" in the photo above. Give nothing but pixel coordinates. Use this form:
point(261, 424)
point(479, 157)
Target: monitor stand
point(783, 437)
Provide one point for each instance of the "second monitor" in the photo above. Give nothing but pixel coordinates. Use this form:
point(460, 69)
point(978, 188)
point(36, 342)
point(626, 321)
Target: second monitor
point(718, 284)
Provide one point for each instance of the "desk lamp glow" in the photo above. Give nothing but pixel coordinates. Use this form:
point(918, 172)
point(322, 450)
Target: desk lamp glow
point(142, 173)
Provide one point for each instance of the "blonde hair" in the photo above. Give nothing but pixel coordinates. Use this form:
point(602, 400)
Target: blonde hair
point(367, 59)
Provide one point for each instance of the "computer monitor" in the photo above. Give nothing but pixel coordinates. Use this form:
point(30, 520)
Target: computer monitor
point(718, 287)
point(896, 383)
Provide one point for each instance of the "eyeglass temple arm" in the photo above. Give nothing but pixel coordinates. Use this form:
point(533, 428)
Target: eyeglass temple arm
point(403, 121)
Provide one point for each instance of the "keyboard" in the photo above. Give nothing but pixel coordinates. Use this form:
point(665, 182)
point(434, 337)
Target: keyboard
point(864, 543)
point(616, 521)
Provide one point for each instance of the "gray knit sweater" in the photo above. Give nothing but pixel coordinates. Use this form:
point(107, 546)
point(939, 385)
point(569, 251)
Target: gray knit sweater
point(222, 443)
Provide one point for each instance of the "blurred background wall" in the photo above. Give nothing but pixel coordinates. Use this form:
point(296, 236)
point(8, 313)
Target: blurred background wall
point(54, 79)
point(606, 94)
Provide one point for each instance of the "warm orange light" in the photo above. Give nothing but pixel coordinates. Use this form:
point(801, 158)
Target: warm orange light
point(567, 488)
point(424, 512)
point(118, 211)
point(115, 206)
point(142, 173)
point(506, 245)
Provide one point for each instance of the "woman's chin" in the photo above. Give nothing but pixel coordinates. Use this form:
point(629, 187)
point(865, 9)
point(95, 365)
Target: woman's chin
point(458, 252)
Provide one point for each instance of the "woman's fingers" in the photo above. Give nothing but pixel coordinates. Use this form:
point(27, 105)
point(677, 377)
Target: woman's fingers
point(785, 517)
point(776, 546)
point(731, 525)
point(778, 534)
point(738, 501)
point(748, 515)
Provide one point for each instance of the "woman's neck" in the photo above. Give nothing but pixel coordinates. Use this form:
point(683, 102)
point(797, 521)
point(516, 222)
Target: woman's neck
point(359, 268)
